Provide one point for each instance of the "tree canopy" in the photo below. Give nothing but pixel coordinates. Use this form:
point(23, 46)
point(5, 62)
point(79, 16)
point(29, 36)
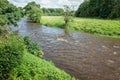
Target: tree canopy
point(99, 8)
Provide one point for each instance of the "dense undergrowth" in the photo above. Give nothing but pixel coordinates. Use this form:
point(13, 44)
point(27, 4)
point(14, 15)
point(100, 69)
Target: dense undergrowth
point(109, 28)
point(11, 53)
point(33, 47)
point(34, 68)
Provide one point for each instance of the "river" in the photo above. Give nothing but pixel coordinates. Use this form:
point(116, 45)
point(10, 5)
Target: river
point(85, 56)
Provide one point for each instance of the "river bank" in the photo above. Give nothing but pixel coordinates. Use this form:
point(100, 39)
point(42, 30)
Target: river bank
point(100, 27)
point(21, 58)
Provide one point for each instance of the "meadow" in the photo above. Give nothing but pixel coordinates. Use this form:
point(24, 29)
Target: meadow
point(101, 27)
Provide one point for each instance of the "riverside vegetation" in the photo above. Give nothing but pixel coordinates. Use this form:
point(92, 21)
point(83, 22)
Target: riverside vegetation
point(109, 28)
point(92, 17)
point(21, 58)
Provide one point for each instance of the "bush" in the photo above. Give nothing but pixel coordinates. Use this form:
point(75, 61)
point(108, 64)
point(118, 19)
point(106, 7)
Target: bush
point(33, 47)
point(11, 53)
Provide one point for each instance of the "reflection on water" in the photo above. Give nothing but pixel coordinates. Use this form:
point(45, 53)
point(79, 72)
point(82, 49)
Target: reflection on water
point(85, 56)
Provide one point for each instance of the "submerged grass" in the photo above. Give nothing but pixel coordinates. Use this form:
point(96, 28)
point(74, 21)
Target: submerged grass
point(109, 28)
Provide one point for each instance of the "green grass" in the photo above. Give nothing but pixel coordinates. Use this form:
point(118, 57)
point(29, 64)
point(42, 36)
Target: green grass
point(34, 68)
point(109, 28)
point(53, 21)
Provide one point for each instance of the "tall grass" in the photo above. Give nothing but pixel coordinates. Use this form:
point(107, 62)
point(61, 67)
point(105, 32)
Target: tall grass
point(110, 28)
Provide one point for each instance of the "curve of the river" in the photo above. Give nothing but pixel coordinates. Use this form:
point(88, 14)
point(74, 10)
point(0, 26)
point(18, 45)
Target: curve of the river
point(85, 56)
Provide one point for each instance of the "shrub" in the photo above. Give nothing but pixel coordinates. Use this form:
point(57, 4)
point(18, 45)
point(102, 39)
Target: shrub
point(11, 53)
point(33, 47)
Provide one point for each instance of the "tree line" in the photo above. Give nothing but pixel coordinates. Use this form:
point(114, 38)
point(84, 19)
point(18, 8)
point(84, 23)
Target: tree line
point(52, 11)
point(10, 14)
point(34, 12)
point(99, 8)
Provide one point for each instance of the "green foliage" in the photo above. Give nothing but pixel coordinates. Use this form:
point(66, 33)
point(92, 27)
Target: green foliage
point(9, 14)
point(33, 47)
point(3, 20)
point(83, 10)
point(20, 10)
point(115, 10)
point(11, 53)
point(67, 18)
point(67, 15)
point(30, 5)
point(99, 8)
point(11, 47)
point(110, 28)
point(3, 6)
point(53, 11)
point(4, 31)
point(33, 11)
point(35, 14)
point(34, 68)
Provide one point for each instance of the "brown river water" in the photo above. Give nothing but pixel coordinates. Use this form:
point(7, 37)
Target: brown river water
point(82, 55)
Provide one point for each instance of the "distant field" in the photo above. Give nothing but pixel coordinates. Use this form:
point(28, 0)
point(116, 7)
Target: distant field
point(109, 28)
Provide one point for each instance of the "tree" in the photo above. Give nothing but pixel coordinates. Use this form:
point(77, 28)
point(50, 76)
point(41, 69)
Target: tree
point(83, 10)
point(106, 8)
point(35, 14)
point(115, 10)
point(67, 18)
point(33, 11)
point(9, 14)
point(99, 8)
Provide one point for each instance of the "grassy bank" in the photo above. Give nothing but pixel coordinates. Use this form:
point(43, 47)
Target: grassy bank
point(34, 68)
point(109, 28)
point(20, 59)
